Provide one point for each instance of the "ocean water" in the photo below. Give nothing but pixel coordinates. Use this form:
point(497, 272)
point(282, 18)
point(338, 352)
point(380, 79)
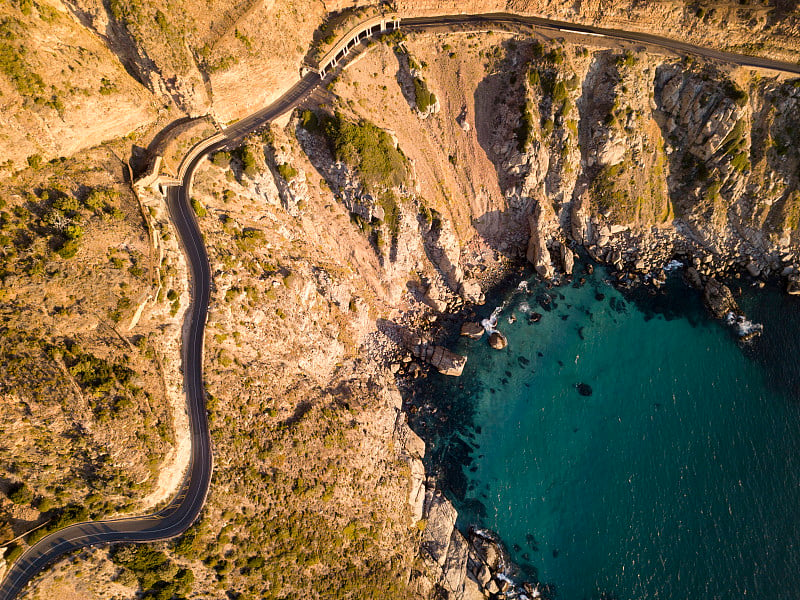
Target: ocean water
point(628, 446)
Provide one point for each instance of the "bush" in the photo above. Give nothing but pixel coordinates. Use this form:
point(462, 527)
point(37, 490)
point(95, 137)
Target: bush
point(35, 161)
point(423, 97)
point(248, 161)
point(13, 553)
point(370, 150)
point(198, 208)
point(734, 92)
point(287, 171)
point(309, 120)
point(68, 249)
point(19, 493)
point(221, 159)
point(525, 130)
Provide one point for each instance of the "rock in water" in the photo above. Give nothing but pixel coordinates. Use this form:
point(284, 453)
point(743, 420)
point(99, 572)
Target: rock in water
point(693, 278)
point(719, 299)
point(497, 340)
point(584, 389)
point(448, 363)
point(793, 286)
point(472, 330)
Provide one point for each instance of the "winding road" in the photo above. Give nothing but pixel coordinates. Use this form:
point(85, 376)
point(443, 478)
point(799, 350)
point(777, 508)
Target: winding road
point(185, 507)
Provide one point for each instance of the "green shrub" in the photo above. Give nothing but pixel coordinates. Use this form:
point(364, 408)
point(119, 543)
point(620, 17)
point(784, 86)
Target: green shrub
point(370, 150)
point(423, 97)
point(248, 161)
point(524, 131)
point(559, 93)
point(13, 553)
point(221, 159)
point(35, 161)
point(741, 162)
point(19, 493)
point(734, 92)
point(287, 171)
point(68, 248)
point(309, 120)
point(198, 208)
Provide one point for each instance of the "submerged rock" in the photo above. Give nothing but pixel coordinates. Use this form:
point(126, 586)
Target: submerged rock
point(497, 340)
point(584, 389)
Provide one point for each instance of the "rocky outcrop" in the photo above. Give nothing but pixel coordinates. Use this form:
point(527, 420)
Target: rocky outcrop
point(697, 109)
point(537, 253)
point(445, 361)
point(719, 299)
point(413, 451)
point(567, 259)
point(464, 568)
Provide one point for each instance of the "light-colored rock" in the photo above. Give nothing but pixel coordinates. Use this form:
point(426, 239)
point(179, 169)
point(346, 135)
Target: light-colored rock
point(580, 219)
point(537, 253)
point(441, 520)
point(471, 292)
point(567, 259)
point(447, 363)
point(454, 570)
point(472, 589)
point(497, 340)
point(472, 330)
point(416, 495)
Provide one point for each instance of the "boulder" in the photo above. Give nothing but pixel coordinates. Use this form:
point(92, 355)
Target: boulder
point(472, 330)
point(567, 259)
point(719, 299)
point(448, 363)
point(492, 587)
point(472, 589)
point(753, 269)
point(497, 340)
point(416, 495)
point(484, 575)
point(793, 286)
point(471, 292)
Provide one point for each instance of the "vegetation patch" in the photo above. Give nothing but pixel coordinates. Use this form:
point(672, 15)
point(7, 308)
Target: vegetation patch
point(368, 149)
point(423, 97)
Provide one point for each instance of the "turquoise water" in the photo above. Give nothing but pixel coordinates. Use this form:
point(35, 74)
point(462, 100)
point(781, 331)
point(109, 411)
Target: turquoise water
point(678, 477)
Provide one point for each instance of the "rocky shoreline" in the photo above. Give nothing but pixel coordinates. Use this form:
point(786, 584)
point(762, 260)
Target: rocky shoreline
point(475, 565)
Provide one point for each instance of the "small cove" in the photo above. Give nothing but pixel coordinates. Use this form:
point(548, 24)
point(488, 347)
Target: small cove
point(627, 444)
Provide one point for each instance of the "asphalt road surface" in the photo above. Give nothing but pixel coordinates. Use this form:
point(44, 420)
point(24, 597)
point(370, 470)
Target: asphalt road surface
point(185, 507)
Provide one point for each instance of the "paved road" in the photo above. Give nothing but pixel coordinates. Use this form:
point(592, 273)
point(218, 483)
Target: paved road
point(182, 511)
point(632, 36)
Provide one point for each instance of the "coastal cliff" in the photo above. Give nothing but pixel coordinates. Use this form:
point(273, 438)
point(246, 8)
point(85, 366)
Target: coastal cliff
point(342, 240)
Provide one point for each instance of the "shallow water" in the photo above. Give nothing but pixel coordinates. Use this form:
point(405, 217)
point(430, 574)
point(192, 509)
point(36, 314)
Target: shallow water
point(678, 477)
